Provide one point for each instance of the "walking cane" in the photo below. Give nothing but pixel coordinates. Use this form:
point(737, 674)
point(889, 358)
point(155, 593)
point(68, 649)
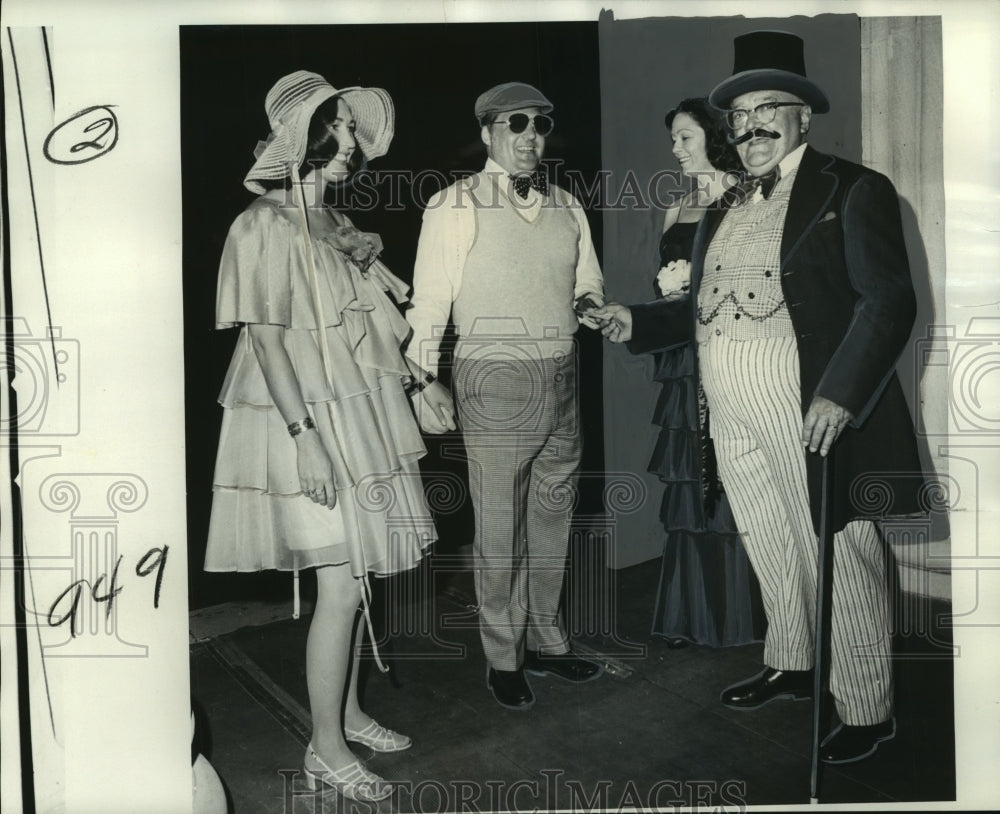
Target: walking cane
point(824, 601)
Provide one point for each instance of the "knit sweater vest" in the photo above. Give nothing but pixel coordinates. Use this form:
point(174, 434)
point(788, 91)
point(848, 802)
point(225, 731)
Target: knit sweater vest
point(516, 299)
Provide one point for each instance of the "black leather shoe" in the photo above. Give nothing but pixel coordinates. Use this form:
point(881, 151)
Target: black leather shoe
point(768, 686)
point(510, 688)
point(847, 744)
point(567, 666)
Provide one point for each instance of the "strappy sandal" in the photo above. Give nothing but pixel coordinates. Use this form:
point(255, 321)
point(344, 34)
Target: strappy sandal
point(353, 781)
point(379, 739)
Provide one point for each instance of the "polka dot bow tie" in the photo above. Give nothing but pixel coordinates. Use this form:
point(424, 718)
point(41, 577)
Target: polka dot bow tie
point(533, 181)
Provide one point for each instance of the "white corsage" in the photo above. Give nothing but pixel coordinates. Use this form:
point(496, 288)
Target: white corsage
point(674, 279)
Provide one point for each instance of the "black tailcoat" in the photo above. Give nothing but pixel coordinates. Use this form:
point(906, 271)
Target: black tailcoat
point(846, 282)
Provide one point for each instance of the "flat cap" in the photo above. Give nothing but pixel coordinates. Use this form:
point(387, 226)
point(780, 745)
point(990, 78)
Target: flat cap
point(510, 96)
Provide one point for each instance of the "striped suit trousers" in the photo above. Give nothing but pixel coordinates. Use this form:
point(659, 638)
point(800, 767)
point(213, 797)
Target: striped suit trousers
point(753, 393)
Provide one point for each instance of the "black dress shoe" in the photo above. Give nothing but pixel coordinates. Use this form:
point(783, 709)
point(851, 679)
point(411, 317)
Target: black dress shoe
point(565, 665)
point(676, 643)
point(510, 688)
point(768, 686)
point(847, 744)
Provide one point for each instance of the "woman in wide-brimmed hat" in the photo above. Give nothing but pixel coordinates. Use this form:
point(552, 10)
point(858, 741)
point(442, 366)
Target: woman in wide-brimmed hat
point(317, 460)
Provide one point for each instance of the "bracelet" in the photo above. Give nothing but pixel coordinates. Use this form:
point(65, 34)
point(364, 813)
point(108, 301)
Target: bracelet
point(420, 386)
point(297, 427)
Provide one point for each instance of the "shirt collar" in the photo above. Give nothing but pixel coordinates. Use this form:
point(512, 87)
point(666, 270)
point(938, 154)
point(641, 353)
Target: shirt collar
point(787, 167)
point(790, 163)
point(502, 177)
point(493, 167)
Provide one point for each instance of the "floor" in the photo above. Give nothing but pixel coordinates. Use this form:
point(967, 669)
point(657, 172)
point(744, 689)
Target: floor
point(649, 733)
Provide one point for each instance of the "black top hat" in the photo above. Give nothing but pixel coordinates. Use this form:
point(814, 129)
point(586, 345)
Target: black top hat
point(769, 60)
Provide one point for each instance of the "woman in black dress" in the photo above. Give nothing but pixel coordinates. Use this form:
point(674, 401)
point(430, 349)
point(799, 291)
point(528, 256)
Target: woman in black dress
point(708, 593)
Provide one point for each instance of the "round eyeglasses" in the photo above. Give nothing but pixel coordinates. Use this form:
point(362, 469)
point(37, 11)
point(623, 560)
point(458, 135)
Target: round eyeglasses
point(518, 123)
point(763, 114)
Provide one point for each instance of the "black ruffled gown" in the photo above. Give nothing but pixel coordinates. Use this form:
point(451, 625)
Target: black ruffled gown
point(708, 593)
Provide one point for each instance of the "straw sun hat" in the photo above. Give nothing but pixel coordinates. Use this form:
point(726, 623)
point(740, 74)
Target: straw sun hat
point(290, 105)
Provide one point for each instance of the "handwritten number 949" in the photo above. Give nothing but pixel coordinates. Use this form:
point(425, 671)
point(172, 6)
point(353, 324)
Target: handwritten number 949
point(104, 590)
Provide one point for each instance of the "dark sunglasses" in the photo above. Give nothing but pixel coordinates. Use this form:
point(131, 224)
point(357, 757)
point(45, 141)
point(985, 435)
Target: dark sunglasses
point(518, 123)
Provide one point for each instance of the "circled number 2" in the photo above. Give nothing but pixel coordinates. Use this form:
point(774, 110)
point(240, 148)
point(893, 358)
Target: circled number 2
point(87, 135)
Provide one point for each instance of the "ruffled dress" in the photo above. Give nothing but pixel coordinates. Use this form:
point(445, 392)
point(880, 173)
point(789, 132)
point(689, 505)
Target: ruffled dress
point(708, 593)
point(260, 518)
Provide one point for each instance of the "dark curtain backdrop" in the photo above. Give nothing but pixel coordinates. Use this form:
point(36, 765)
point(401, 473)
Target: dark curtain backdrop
point(647, 66)
point(434, 74)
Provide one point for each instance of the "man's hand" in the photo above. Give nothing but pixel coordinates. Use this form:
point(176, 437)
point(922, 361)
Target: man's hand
point(586, 306)
point(823, 424)
point(616, 320)
point(435, 409)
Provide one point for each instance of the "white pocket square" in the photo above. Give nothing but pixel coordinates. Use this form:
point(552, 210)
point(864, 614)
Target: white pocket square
point(828, 216)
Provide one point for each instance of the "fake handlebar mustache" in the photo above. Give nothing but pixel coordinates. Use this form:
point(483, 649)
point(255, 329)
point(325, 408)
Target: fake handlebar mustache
point(760, 132)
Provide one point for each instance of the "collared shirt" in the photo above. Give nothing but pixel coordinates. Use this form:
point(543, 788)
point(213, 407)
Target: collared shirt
point(788, 167)
point(447, 235)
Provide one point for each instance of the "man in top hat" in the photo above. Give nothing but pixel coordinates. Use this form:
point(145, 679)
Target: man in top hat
point(510, 258)
point(801, 302)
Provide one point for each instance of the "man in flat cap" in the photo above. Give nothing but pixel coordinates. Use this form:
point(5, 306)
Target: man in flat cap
point(510, 259)
point(801, 303)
